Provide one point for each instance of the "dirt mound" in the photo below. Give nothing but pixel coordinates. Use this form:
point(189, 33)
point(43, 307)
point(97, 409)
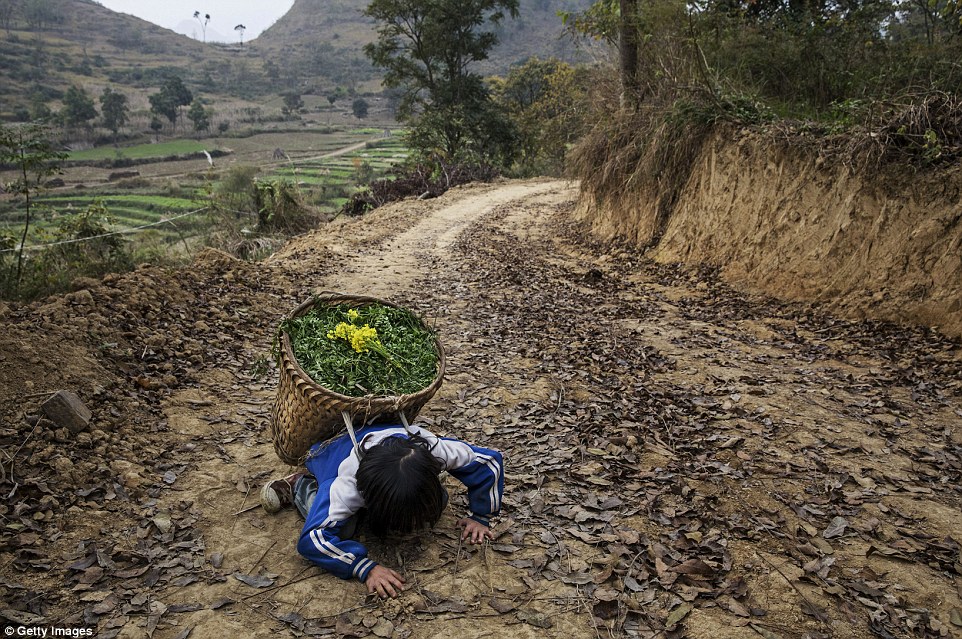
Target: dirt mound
point(124, 345)
point(780, 221)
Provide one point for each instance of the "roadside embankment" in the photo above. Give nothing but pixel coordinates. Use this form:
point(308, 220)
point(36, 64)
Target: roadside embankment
point(781, 221)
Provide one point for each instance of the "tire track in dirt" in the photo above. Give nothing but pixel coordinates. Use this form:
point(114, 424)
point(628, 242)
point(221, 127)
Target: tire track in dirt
point(400, 261)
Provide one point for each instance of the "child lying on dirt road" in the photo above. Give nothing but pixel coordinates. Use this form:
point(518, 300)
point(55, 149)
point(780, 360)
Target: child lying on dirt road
point(391, 479)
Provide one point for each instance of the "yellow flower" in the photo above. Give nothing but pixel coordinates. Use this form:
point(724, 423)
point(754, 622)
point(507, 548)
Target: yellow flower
point(352, 315)
point(364, 337)
point(361, 338)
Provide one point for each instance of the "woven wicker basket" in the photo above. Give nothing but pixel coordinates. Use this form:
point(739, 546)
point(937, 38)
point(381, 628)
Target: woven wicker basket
point(306, 412)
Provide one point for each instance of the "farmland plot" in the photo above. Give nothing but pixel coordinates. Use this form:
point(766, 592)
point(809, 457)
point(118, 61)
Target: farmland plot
point(168, 183)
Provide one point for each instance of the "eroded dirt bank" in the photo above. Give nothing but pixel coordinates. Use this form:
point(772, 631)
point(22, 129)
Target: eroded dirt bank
point(682, 460)
point(780, 221)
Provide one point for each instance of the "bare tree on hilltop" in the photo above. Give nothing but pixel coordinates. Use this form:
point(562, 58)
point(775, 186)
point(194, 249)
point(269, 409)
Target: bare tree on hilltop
point(203, 23)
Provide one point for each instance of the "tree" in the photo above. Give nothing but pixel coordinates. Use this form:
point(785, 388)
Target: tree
point(240, 31)
point(174, 87)
point(170, 98)
point(156, 125)
point(547, 101)
point(359, 107)
point(113, 109)
point(199, 115)
point(628, 35)
point(7, 10)
point(332, 98)
point(162, 105)
point(29, 149)
point(39, 14)
point(427, 48)
point(79, 107)
point(203, 23)
point(292, 103)
point(619, 23)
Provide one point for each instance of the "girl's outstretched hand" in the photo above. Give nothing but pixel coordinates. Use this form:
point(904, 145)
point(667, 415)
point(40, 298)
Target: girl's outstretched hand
point(384, 581)
point(474, 531)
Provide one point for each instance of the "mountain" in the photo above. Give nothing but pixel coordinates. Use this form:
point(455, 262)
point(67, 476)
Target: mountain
point(316, 47)
point(79, 42)
point(331, 34)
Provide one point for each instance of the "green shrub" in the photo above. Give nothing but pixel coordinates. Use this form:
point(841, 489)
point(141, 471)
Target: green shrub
point(707, 108)
point(236, 190)
point(79, 246)
point(280, 207)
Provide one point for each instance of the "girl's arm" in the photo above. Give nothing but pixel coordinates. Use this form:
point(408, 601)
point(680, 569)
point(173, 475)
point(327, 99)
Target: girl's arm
point(481, 470)
point(343, 558)
point(320, 540)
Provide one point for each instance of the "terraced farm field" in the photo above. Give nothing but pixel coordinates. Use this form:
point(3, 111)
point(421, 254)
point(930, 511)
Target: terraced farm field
point(128, 212)
point(334, 178)
point(169, 197)
point(131, 211)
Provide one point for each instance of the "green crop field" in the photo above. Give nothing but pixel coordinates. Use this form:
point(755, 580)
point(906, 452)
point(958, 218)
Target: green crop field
point(155, 203)
point(333, 179)
point(326, 182)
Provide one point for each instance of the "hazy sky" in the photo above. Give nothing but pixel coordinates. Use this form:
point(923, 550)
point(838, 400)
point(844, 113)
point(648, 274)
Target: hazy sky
point(178, 15)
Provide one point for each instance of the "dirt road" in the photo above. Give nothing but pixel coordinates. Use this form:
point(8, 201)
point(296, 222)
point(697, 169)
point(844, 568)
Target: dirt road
point(681, 460)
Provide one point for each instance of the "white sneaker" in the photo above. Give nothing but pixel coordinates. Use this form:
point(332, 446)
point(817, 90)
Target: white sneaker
point(278, 493)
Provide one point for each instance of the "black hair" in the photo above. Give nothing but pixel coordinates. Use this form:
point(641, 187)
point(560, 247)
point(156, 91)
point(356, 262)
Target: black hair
point(398, 479)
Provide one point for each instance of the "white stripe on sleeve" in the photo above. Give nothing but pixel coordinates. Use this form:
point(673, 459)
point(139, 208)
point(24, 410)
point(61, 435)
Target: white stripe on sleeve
point(327, 548)
point(495, 469)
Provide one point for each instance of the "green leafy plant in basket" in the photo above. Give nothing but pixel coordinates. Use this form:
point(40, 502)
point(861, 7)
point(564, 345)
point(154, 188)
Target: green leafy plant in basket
point(371, 349)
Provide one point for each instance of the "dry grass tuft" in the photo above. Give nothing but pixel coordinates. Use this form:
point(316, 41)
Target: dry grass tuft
point(648, 154)
point(915, 132)
point(925, 131)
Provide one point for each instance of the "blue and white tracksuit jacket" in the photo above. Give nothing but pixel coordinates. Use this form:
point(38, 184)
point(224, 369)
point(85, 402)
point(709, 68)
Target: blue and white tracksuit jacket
point(334, 465)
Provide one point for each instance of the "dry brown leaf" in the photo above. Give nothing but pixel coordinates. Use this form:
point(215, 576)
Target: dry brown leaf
point(678, 614)
point(534, 618)
point(502, 605)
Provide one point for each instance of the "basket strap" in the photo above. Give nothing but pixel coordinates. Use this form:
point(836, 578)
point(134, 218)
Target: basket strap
point(350, 431)
point(349, 424)
point(404, 422)
point(407, 428)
